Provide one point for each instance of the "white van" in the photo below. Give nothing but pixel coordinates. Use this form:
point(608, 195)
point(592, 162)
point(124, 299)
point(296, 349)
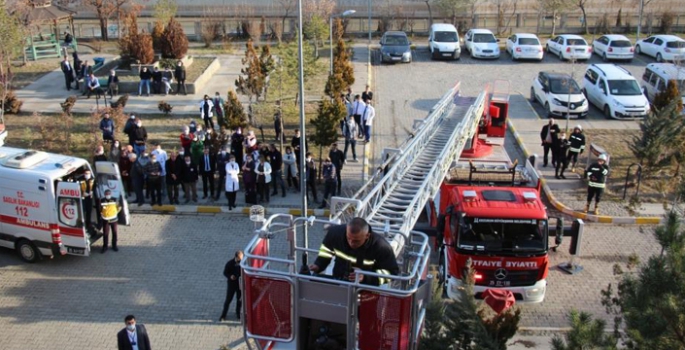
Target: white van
point(613, 90)
point(443, 41)
point(656, 78)
point(41, 213)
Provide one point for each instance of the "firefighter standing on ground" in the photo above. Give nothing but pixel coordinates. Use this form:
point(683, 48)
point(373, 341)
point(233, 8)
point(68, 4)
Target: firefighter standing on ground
point(355, 246)
point(109, 210)
point(577, 146)
point(597, 174)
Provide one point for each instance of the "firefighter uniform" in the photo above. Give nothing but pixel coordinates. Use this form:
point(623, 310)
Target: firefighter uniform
point(597, 174)
point(87, 187)
point(109, 211)
point(375, 255)
point(577, 146)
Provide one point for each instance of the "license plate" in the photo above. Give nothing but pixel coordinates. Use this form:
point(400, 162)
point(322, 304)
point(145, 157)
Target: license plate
point(396, 58)
point(447, 54)
point(78, 251)
point(635, 114)
point(580, 50)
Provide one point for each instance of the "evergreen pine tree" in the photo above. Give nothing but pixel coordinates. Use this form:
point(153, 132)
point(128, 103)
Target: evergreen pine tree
point(267, 64)
point(174, 42)
point(251, 82)
point(586, 334)
point(234, 112)
point(326, 124)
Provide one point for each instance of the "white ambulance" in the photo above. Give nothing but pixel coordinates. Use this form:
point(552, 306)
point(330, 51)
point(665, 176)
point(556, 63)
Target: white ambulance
point(41, 213)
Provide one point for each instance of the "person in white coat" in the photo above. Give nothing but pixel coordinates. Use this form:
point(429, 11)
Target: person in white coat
point(232, 181)
point(290, 163)
point(206, 107)
point(369, 114)
point(263, 170)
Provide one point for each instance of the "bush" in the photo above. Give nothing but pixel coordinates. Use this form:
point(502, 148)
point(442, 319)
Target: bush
point(667, 19)
point(12, 103)
point(68, 104)
point(174, 42)
point(157, 33)
point(165, 107)
point(121, 102)
point(142, 50)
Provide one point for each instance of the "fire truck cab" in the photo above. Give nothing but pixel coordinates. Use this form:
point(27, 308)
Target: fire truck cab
point(286, 307)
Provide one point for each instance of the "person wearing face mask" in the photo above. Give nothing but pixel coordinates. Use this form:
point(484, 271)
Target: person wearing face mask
point(180, 76)
point(134, 336)
point(232, 274)
point(153, 173)
point(109, 212)
point(180, 164)
point(206, 108)
point(107, 128)
point(329, 175)
point(186, 139)
point(218, 103)
point(250, 181)
point(207, 169)
point(291, 169)
point(162, 159)
point(145, 77)
point(263, 170)
point(139, 137)
point(87, 188)
point(232, 184)
point(201, 134)
point(221, 160)
point(189, 178)
point(137, 178)
point(196, 150)
point(125, 168)
point(237, 141)
point(167, 78)
point(311, 176)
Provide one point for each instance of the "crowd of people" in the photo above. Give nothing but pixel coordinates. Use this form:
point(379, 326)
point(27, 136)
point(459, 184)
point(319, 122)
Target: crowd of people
point(227, 162)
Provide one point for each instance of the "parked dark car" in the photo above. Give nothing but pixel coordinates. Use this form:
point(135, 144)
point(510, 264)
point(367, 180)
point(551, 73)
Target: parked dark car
point(395, 47)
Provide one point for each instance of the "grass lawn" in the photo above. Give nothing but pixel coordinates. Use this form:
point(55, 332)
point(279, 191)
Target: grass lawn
point(616, 142)
point(27, 74)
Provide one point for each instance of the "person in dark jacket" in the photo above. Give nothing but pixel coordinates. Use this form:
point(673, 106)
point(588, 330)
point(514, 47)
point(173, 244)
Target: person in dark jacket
point(156, 81)
point(113, 83)
point(133, 335)
point(180, 76)
point(338, 159)
point(577, 146)
point(172, 177)
point(189, 178)
point(328, 172)
point(311, 176)
point(100, 155)
point(550, 139)
point(250, 178)
point(137, 178)
point(232, 274)
point(562, 161)
point(153, 174)
point(125, 168)
point(128, 129)
point(139, 137)
point(107, 128)
point(207, 170)
point(356, 247)
point(77, 68)
point(145, 77)
point(597, 176)
point(69, 72)
point(295, 144)
point(237, 141)
point(276, 160)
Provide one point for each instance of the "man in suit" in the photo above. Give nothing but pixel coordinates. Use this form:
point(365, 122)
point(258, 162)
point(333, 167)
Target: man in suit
point(207, 170)
point(232, 274)
point(134, 336)
point(189, 179)
point(550, 140)
point(68, 71)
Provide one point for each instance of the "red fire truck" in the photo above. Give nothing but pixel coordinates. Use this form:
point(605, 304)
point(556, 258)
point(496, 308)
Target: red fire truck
point(490, 213)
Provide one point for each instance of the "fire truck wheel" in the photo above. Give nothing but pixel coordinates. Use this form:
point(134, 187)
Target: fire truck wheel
point(27, 251)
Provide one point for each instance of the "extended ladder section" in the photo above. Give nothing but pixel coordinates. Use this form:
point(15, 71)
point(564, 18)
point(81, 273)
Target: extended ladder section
point(417, 170)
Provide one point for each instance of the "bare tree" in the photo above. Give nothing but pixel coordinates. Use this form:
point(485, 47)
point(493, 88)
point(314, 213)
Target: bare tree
point(555, 7)
point(104, 9)
point(503, 7)
point(582, 5)
point(287, 6)
point(11, 36)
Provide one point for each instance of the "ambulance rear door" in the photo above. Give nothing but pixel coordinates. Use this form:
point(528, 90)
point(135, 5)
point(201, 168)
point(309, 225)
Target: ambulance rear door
point(109, 178)
point(70, 218)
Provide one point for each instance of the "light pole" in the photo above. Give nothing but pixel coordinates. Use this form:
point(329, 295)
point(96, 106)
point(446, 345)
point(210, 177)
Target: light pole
point(303, 133)
point(346, 13)
point(369, 10)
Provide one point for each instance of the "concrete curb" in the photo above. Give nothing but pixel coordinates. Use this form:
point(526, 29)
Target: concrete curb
point(206, 209)
point(568, 211)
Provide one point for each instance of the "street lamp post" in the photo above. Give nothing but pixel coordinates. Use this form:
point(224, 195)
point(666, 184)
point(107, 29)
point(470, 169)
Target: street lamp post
point(303, 133)
point(346, 13)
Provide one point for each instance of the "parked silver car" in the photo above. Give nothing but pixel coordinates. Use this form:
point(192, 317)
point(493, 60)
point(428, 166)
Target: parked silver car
point(395, 47)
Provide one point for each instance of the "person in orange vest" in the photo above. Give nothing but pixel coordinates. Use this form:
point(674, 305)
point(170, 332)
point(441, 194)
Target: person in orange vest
point(109, 211)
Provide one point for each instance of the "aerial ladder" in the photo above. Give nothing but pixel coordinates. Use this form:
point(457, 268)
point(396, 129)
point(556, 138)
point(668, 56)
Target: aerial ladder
point(285, 307)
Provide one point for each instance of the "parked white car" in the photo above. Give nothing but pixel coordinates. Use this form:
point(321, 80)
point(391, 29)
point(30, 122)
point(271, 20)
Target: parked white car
point(613, 47)
point(524, 46)
point(559, 94)
point(656, 78)
point(481, 43)
point(443, 41)
point(614, 91)
point(662, 47)
point(569, 46)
